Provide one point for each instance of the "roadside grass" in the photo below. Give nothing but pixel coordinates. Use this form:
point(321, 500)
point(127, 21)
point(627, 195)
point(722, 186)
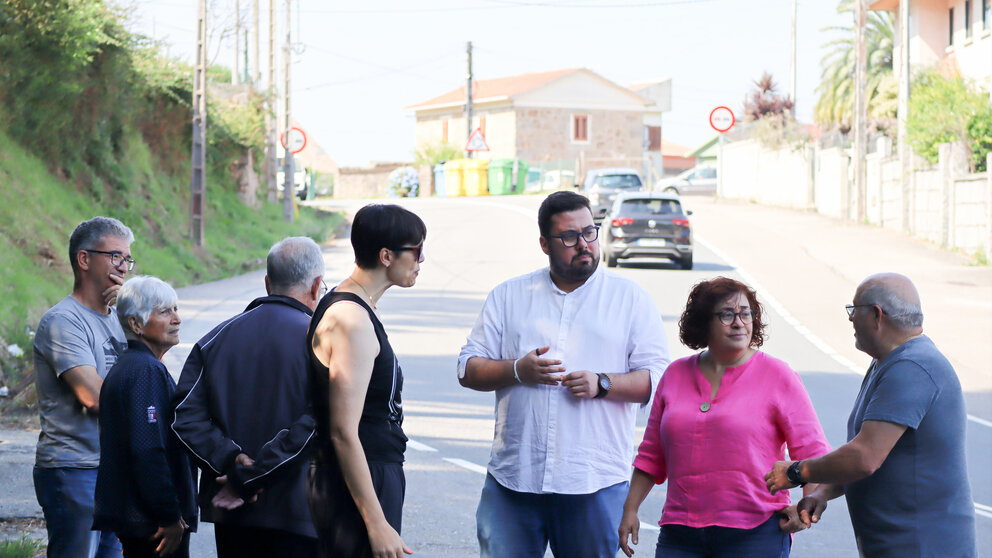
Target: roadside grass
point(38, 211)
point(23, 547)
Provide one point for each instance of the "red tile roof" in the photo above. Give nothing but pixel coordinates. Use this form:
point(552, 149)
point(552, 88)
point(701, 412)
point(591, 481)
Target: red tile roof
point(496, 88)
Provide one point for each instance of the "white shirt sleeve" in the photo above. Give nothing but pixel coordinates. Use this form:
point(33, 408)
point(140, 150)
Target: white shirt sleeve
point(648, 347)
point(486, 338)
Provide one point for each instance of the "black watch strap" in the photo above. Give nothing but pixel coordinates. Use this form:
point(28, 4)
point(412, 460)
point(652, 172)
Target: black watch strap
point(604, 384)
point(794, 474)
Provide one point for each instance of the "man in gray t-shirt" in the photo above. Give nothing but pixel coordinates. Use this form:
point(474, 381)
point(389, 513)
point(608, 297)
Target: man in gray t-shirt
point(903, 471)
point(77, 342)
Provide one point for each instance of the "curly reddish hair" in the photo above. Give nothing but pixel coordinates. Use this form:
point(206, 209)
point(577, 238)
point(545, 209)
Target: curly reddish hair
point(694, 325)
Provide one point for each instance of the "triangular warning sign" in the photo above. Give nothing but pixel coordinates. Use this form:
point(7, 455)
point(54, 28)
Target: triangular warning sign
point(476, 142)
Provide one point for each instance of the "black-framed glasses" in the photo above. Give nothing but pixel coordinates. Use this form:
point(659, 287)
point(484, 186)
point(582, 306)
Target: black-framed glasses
point(418, 251)
point(571, 238)
point(852, 307)
point(116, 258)
point(727, 317)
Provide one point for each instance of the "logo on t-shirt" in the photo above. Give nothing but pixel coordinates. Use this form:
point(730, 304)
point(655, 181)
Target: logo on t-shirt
point(152, 415)
point(111, 349)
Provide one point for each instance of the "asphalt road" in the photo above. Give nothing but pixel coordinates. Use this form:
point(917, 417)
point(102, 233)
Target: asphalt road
point(473, 244)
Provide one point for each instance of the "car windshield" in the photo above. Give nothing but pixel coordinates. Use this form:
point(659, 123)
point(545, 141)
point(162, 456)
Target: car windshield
point(650, 207)
point(619, 181)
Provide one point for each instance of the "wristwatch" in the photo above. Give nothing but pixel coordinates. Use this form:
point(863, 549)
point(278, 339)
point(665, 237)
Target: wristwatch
point(794, 475)
point(604, 385)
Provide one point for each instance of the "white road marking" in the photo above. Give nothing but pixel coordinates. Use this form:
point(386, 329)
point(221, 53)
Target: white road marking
point(792, 321)
point(650, 527)
point(413, 444)
point(983, 510)
point(466, 465)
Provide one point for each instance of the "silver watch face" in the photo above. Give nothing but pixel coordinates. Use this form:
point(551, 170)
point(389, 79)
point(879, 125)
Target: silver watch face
point(604, 382)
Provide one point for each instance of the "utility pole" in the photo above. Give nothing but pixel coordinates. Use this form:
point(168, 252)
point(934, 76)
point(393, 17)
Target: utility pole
point(792, 88)
point(198, 180)
point(860, 112)
point(271, 158)
point(288, 185)
point(256, 75)
point(235, 75)
point(902, 113)
point(468, 102)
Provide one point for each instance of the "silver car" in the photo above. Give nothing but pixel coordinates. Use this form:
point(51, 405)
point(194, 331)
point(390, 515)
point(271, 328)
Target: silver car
point(602, 186)
point(698, 180)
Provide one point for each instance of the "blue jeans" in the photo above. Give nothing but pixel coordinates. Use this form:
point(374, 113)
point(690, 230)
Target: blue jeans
point(520, 524)
point(764, 541)
point(66, 498)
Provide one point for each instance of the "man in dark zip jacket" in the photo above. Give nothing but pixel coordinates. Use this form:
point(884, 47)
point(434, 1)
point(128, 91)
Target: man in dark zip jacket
point(242, 412)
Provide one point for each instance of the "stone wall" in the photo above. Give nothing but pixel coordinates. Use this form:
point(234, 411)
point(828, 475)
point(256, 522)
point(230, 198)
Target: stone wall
point(546, 134)
point(364, 182)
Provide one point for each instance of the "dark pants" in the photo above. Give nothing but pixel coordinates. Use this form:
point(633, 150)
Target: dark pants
point(239, 541)
point(145, 548)
point(340, 527)
point(66, 497)
point(764, 541)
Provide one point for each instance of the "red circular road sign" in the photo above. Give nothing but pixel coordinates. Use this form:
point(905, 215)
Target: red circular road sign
point(297, 140)
point(722, 119)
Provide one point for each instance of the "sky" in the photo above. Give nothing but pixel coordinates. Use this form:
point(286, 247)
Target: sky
point(356, 65)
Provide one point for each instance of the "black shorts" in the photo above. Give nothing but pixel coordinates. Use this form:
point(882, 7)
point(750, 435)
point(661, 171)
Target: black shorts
point(340, 527)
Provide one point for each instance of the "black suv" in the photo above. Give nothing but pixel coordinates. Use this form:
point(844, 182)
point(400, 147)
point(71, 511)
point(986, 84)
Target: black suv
point(646, 225)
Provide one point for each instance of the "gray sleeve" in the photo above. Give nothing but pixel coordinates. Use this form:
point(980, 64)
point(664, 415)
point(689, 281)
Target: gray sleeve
point(63, 341)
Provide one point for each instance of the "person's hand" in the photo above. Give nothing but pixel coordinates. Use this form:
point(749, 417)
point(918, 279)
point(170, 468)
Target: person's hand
point(170, 537)
point(776, 479)
point(110, 294)
point(532, 369)
point(811, 508)
point(386, 542)
point(584, 384)
point(629, 525)
point(243, 460)
point(228, 498)
point(790, 522)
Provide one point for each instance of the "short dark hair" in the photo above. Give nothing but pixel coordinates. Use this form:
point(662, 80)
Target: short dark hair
point(559, 202)
point(88, 234)
point(694, 325)
point(379, 226)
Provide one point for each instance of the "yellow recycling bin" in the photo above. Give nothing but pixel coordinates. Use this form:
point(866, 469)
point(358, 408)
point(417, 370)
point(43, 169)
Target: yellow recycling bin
point(476, 177)
point(454, 177)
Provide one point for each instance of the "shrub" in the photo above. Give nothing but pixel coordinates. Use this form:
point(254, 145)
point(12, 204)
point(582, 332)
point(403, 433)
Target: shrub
point(945, 110)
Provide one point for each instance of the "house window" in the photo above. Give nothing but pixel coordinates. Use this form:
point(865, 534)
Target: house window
point(444, 129)
point(580, 127)
point(482, 124)
point(950, 27)
point(967, 19)
point(654, 138)
point(986, 13)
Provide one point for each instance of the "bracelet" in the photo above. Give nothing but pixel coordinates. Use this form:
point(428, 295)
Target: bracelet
point(515, 375)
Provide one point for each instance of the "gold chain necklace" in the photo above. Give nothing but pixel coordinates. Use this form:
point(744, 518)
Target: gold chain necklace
point(367, 295)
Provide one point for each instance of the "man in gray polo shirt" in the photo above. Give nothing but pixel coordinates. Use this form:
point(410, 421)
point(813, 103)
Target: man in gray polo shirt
point(76, 344)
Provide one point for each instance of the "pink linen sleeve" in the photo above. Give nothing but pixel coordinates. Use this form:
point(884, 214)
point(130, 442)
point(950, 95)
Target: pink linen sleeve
point(797, 419)
point(651, 454)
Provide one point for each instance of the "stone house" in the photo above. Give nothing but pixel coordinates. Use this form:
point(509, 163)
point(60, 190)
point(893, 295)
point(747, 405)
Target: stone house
point(574, 115)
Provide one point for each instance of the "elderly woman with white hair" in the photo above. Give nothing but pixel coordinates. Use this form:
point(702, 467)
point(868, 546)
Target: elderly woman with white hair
point(144, 489)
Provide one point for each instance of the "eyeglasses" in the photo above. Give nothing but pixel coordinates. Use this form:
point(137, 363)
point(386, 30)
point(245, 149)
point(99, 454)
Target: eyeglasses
point(852, 307)
point(571, 238)
point(727, 317)
point(418, 251)
point(323, 288)
point(116, 258)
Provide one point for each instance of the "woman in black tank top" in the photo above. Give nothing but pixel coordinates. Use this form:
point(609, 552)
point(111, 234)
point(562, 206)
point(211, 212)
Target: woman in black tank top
point(356, 483)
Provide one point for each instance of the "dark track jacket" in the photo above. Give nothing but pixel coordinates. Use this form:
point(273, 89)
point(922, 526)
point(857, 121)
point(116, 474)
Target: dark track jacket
point(245, 389)
point(145, 480)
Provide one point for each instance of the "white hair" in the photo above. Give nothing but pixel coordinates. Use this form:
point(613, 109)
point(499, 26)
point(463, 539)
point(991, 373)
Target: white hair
point(903, 313)
point(293, 263)
point(141, 295)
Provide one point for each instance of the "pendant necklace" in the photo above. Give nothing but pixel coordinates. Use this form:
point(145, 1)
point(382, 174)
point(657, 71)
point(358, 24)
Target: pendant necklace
point(367, 295)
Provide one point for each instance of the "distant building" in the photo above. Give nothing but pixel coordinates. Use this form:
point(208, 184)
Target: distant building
point(564, 115)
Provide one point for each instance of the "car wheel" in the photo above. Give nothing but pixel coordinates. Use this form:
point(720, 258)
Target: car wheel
point(672, 190)
point(685, 262)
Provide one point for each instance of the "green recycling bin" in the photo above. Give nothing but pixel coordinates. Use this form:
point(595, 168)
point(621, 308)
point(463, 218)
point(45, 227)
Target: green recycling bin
point(507, 176)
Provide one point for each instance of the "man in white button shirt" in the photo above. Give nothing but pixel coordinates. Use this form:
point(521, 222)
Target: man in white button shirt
point(572, 352)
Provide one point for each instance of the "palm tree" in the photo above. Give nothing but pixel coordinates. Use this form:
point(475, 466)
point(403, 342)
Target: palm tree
point(836, 104)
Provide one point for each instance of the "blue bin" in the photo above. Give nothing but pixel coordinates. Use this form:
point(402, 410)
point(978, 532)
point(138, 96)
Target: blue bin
point(439, 189)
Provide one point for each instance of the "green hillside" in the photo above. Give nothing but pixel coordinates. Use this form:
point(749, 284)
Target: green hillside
point(94, 121)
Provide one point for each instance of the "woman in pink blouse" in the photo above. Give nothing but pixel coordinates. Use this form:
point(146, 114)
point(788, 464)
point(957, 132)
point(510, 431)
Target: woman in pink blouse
point(719, 420)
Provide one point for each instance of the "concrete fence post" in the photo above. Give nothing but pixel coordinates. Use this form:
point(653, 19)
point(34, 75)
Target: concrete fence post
point(988, 206)
point(946, 185)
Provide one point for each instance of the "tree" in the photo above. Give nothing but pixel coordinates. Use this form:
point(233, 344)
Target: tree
point(944, 110)
point(770, 116)
point(835, 106)
point(434, 153)
point(764, 100)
